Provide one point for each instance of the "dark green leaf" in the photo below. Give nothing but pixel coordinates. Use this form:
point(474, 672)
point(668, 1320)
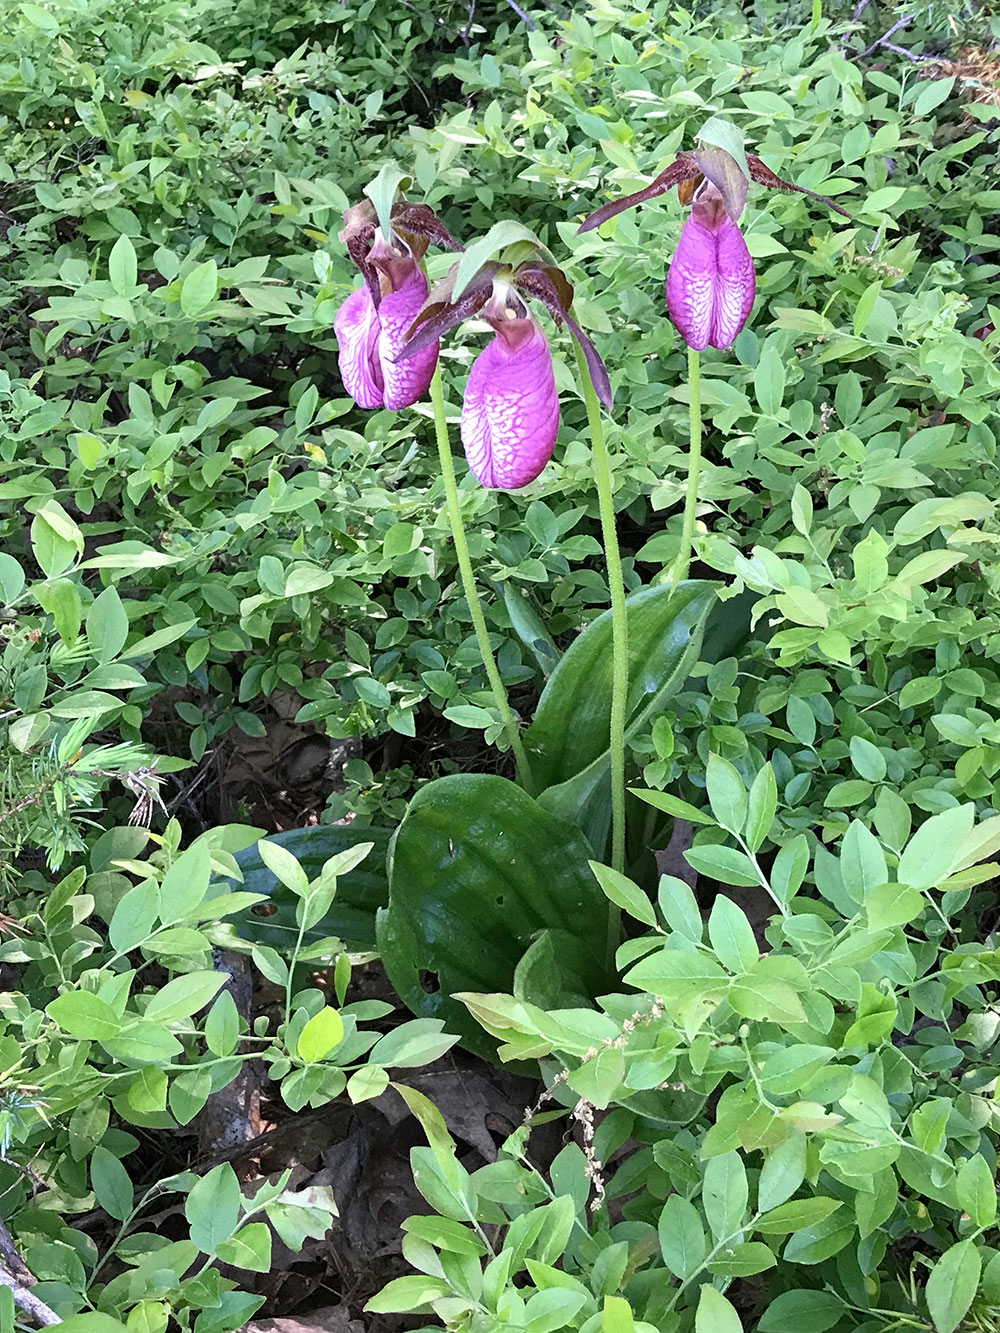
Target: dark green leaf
point(742, 1260)
point(762, 806)
point(112, 1184)
point(682, 1237)
point(715, 1314)
point(802, 1312)
point(727, 794)
point(952, 1285)
point(199, 288)
point(213, 1208)
point(725, 864)
point(732, 936)
point(83, 1014)
point(477, 869)
point(568, 739)
point(724, 1193)
point(625, 894)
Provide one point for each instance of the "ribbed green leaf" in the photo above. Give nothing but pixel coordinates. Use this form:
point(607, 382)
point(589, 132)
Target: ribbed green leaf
point(477, 869)
point(569, 738)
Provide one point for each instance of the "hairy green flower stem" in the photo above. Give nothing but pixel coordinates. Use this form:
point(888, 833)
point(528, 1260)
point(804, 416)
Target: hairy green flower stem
point(619, 638)
point(683, 561)
point(469, 585)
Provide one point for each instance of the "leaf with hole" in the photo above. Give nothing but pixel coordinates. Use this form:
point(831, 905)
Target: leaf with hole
point(361, 891)
point(477, 870)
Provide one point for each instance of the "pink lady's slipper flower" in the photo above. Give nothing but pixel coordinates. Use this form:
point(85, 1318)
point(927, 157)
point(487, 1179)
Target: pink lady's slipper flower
point(711, 282)
point(371, 336)
point(510, 413)
point(372, 323)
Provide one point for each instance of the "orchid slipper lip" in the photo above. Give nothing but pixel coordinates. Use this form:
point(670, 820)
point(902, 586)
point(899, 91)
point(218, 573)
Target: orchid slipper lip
point(711, 283)
point(510, 414)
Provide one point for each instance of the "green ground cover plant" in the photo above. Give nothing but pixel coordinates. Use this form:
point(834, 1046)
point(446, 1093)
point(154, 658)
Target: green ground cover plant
point(672, 788)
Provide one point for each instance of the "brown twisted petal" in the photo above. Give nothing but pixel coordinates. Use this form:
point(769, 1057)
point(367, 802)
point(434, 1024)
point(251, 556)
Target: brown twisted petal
point(550, 286)
point(439, 313)
point(763, 175)
point(683, 168)
point(421, 220)
point(417, 225)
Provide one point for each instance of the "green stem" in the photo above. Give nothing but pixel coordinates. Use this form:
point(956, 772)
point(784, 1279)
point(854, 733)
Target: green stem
point(683, 561)
point(619, 637)
point(469, 585)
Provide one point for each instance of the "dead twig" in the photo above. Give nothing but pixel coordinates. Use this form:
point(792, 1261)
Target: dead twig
point(886, 45)
point(902, 51)
point(28, 1301)
point(522, 15)
point(467, 30)
point(231, 1116)
point(904, 22)
point(859, 9)
point(15, 1274)
point(12, 1258)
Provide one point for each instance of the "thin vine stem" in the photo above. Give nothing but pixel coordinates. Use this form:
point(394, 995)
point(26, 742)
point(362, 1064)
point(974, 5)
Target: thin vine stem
point(469, 585)
point(683, 561)
point(619, 636)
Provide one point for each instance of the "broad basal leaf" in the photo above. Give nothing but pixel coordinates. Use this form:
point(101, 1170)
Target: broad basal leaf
point(477, 870)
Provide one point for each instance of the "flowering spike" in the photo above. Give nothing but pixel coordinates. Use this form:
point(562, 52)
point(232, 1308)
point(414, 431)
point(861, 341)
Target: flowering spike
point(690, 167)
point(510, 416)
point(711, 283)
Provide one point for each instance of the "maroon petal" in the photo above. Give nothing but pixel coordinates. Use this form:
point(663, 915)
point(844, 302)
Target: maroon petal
point(550, 286)
point(510, 416)
point(439, 314)
point(405, 381)
point(684, 168)
point(711, 283)
point(357, 329)
point(763, 175)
